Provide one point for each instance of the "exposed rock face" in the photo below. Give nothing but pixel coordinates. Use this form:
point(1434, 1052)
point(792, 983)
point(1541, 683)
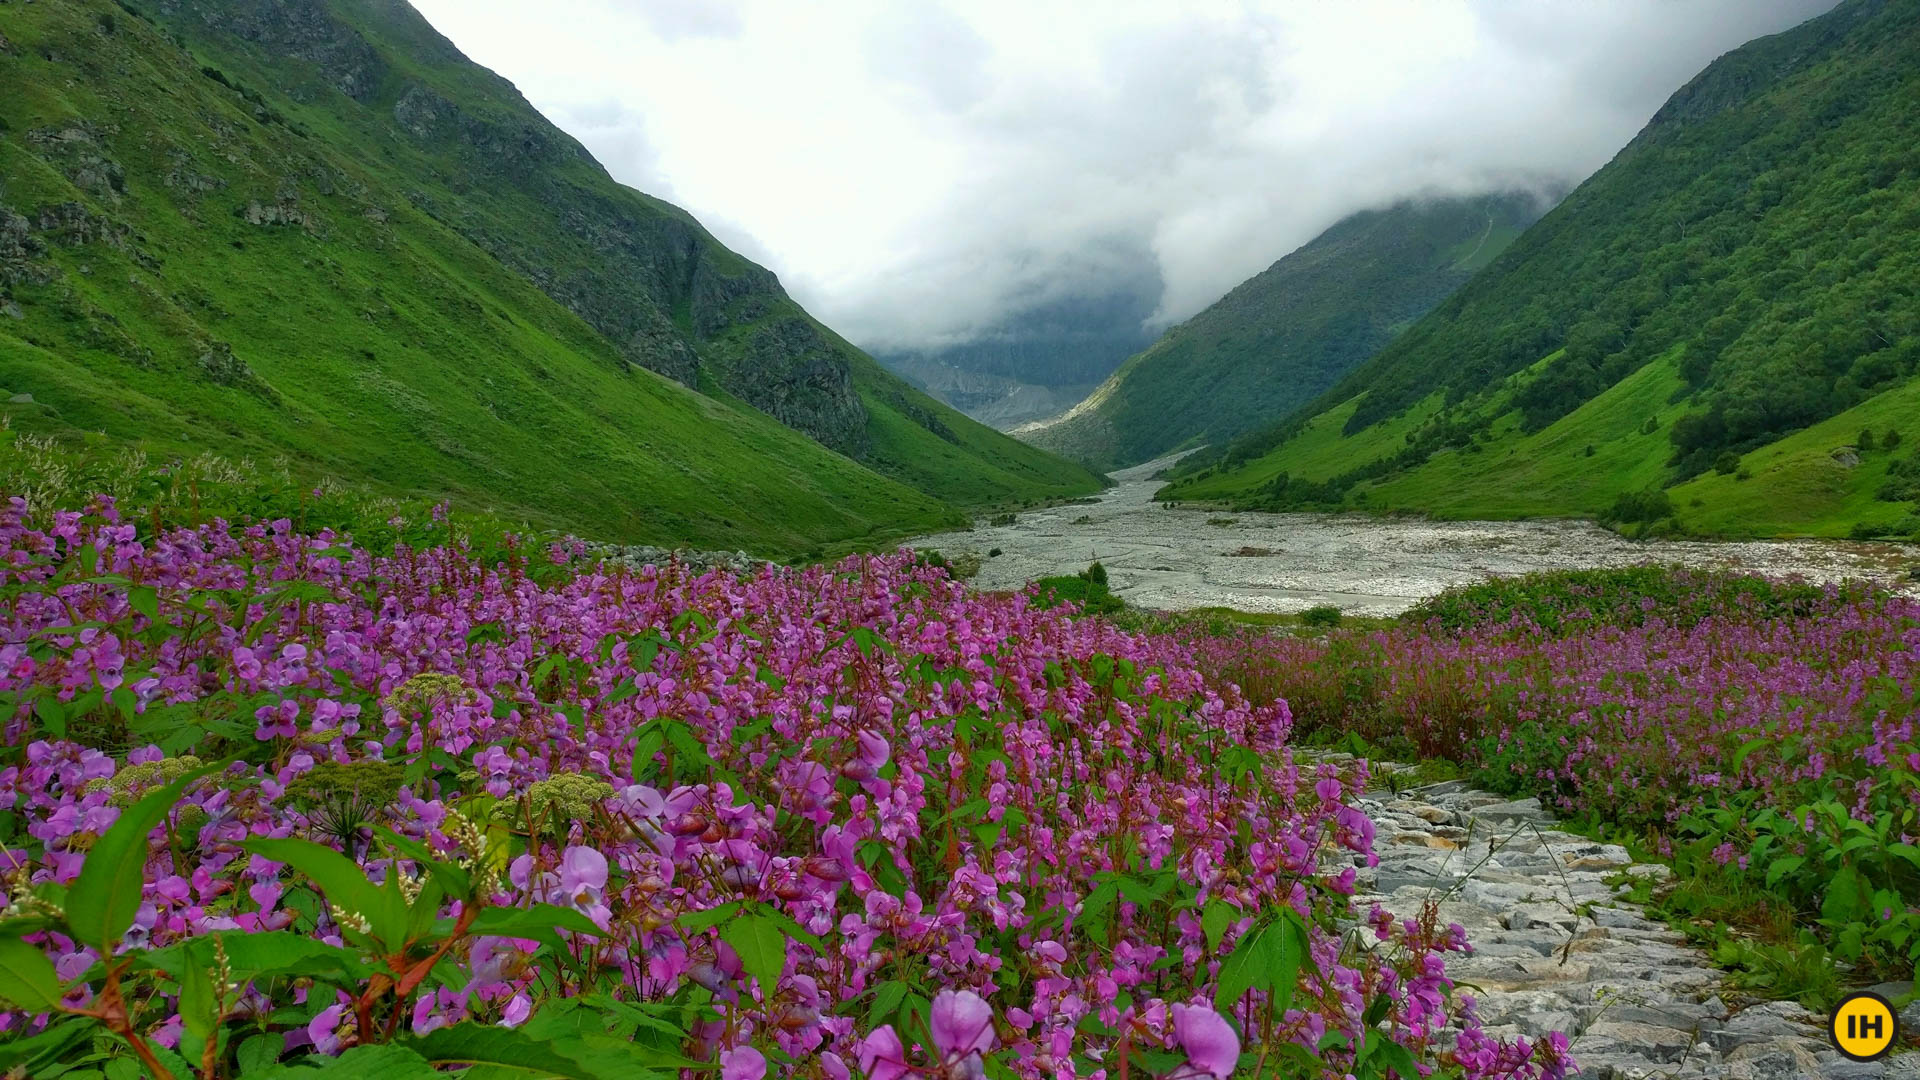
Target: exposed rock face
point(300, 29)
point(81, 155)
point(797, 378)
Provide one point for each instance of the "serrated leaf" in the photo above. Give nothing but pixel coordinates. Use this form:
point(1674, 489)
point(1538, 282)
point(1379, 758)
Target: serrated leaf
point(260, 1052)
point(695, 921)
point(886, 1000)
point(794, 930)
point(1240, 970)
point(761, 946)
point(1098, 901)
point(107, 894)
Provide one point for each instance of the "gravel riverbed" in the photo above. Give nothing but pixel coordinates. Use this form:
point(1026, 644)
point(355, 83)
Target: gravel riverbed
point(1177, 559)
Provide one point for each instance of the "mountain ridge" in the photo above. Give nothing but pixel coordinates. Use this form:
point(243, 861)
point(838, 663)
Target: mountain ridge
point(1746, 251)
point(1289, 331)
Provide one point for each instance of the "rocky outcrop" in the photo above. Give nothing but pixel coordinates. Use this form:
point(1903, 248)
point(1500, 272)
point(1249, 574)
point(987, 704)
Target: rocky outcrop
point(300, 29)
point(80, 153)
point(790, 372)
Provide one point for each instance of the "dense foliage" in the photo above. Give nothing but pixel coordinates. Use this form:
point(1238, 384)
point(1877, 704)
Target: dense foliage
point(1769, 730)
point(272, 796)
point(316, 230)
point(1756, 233)
point(1291, 331)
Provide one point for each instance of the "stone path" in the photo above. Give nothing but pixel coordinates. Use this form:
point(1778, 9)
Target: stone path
point(1555, 949)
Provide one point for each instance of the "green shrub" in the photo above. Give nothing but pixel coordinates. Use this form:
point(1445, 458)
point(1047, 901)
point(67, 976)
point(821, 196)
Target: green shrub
point(1088, 589)
point(1640, 507)
point(1564, 601)
point(1322, 615)
point(1727, 463)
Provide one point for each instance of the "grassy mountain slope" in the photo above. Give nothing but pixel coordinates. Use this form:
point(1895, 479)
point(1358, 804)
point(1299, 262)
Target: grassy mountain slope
point(204, 247)
point(1742, 273)
point(1289, 332)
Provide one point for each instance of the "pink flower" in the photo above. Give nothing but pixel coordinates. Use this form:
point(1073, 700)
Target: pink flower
point(324, 1029)
point(1211, 1046)
point(962, 1027)
point(881, 1055)
point(742, 1063)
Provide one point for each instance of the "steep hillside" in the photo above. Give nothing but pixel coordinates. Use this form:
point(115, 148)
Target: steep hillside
point(315, 230)
point(1290, 331)
point(1742, 278)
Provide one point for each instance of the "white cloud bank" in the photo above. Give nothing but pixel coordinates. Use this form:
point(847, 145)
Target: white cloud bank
point(917, 172)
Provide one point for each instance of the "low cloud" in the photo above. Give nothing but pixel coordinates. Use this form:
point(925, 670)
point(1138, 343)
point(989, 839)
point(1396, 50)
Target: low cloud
point(920, 173)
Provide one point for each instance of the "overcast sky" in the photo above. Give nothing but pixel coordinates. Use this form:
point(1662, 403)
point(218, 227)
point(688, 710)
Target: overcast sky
point(916, 172)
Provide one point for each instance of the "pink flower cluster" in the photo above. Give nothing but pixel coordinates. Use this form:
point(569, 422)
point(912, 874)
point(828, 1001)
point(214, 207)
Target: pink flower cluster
point(1013, 817)
point(1637, 724)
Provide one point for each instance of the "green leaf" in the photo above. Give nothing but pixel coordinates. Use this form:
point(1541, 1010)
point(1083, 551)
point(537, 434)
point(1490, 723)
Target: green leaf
point(108, 892)
point(762, 948)
point(343, 881)
point(377, 1062)
point(1392, 1055)
point(1216, 919)
point(260, 1052)
point(1740, 755)
point(503, 1051)
point(283, 952)
point(1843, 901)
point(1240, 970)
point(1277, 957)
point(52, 715)
point(27, 977)
point(886, 1000)
point(145, 600)
point(516, 922)
point(453, 881)
point(1782, 867)
point(793, 929)
point(199, 1005)
point(1098, 901)
point(695, 921)
point(33, 1054)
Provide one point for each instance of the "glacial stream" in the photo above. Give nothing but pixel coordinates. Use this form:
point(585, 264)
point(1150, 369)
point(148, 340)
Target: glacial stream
point(1176, 559)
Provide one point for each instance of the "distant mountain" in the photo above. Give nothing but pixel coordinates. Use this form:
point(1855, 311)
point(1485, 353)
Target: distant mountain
point(1037, 363)
point(316, 230)
point(1289, 332)
point(1716, 332)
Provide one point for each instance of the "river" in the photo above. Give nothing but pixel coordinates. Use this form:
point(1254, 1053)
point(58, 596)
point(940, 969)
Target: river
point(1177, 559)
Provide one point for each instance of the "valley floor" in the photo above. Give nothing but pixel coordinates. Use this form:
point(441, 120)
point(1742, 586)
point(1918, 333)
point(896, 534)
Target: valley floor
point(1177, 558)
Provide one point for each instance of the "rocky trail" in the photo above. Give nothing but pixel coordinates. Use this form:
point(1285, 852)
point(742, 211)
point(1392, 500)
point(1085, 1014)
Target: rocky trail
point(1555, 948)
